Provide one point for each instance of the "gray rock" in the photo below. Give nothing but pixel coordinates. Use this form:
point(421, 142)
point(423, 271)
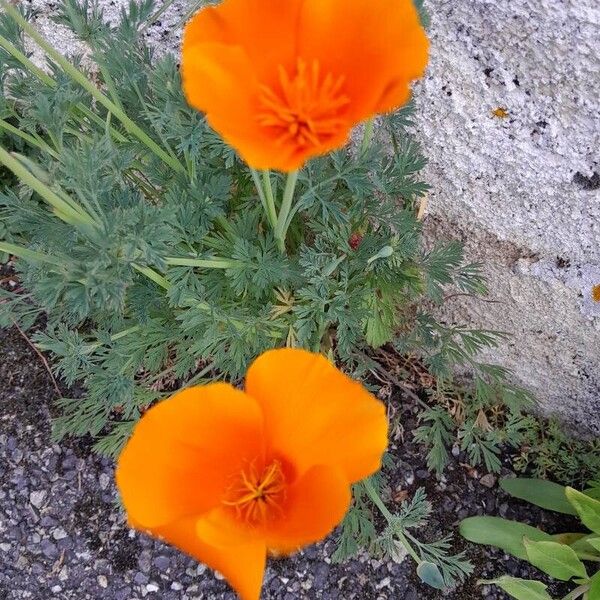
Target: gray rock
point(49, 549)
point(59, 533)
point(37, 498)
point(162, 563)
point(522, 192)
point(141, 578)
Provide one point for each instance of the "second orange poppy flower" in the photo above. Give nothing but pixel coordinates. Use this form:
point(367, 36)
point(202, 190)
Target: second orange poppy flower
point(286, 81)
point(230, 476)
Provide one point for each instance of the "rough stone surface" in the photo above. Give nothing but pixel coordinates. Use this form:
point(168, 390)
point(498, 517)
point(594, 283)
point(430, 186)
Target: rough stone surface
point(522, 191)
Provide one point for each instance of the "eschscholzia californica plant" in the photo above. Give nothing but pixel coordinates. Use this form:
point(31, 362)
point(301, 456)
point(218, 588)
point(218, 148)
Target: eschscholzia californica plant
point(229, 476)
point(286, 81)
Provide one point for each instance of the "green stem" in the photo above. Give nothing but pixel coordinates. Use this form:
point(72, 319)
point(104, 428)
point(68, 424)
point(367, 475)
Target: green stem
point(577, 592)
point(367, 136)
point(28, 138)
point(30, 255)
point(269, 199)
point(28, 64)
point(62, 208)
point(199, 376)
point(79, 77)
point(372, 493)
point(286, 206)
point(153, 275)
point(202, 263)
point(157, 15)
point(47, 80)
point(262, 196)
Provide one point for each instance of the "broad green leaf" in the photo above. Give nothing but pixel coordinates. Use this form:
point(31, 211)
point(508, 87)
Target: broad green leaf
point(594, 591)
point(430, 574)
point(593, 492)
point(594, 542)
point(586, 546)
point(557, 560)
point(567, 538)
point(587, 508)
point(504, 534)
point(540, 492)
point(521, 589)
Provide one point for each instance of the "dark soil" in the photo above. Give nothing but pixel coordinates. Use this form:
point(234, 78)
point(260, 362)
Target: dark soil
point(63, 536)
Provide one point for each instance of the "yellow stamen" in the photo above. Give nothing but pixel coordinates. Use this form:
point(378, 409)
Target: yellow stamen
point(306, 109)
point(256, 496)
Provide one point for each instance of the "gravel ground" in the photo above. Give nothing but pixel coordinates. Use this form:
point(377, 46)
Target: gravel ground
point(63, 536)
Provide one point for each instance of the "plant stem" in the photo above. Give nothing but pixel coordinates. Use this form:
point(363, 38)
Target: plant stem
point(577, 592)
point(286, 206)
point(372, 493)
point(30, 255)
point(28, 64)
point(63, 209)
point(263, 197)
point(157, 15)
point(202, 263)
point(367, 136)
point(28, 138)
point(269, 199)
point(153, 275)
point(47, 80)
point(79, 77)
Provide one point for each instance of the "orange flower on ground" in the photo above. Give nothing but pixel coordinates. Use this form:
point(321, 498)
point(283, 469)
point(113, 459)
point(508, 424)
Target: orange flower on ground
point(229, 476)
point(286, 81)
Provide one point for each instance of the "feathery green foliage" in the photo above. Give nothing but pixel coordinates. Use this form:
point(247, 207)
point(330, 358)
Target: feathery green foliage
point(141, 236)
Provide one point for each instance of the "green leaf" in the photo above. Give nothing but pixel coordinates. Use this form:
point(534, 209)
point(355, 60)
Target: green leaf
point(430, 574)
point(594, 591)
point(504, 534)
point(567, 538)
point(379, 327)
point(557, 560)
point(521, 589)
point(594, 542)
point(540, 492)
point(587, 508)
point(588, 545)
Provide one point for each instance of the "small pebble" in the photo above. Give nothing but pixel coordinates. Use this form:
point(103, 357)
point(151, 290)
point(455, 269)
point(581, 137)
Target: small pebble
point(59, 534)
point(104, 481)
point(489, 480)
point(37, 498)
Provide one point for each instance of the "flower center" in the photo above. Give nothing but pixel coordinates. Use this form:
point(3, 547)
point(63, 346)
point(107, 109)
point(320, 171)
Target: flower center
point(306, 109)
point(257, 494)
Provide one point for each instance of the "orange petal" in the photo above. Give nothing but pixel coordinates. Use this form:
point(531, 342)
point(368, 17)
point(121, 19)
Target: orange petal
point(315, 504)
point(316, 415)
point(220, 528)
point(242, 564)
point(264, 30)
point(219, 81)
point(184, 451)
point(379, 45)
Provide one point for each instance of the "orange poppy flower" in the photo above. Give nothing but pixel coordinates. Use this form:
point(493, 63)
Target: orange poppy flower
point(285, 81)
point(229, 476)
